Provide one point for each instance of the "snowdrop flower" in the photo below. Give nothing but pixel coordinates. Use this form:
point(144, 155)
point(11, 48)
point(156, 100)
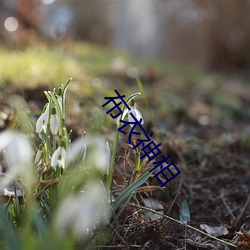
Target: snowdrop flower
point(42, 122)
point(98, 152)
point(54, 121)
point(17, 152)
point(39, 154)
point(59, 157)
point(59, 97)
point(79, 214)
point(134, 111)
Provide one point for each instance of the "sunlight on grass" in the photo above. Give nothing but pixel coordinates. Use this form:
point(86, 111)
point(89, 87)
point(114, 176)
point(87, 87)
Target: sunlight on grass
point(37, 65)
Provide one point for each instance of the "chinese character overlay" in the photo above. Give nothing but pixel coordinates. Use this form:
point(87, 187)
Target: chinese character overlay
point(150, 150)
point(116, 105)
point(167, 168)
point(134, 124)
point(159, 163)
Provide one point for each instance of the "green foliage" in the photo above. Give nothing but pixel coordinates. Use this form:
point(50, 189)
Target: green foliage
point(66, 206)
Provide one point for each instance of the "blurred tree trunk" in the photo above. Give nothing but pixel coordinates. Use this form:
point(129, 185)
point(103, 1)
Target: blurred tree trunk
point(229, 35)
point(29, 17)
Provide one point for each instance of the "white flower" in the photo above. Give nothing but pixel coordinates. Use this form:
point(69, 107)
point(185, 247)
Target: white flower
point(17, 152)
point(54, 121)
point(133, 111)
point(59, 158)
point(59, 99)
point(39, 154)
point(98, 152)
point(79, 214)
point(42, 122)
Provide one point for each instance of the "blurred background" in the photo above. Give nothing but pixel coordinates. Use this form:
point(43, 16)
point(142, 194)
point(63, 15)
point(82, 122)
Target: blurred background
point(212, 34)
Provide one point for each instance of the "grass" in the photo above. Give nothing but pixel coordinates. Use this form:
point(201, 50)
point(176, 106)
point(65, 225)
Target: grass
point(36, 65)
point(43, 64)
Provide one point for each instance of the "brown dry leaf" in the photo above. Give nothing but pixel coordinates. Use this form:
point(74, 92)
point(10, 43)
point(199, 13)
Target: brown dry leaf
point(245, 236)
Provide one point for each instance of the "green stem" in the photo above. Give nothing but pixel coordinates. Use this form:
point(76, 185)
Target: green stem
point(47, 140)
point(54, 142)
point(59, 111)
point(63, 101)
point(112, 164)
point(138, 163)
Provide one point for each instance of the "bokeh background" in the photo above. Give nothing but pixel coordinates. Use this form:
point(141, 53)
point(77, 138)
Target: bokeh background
point(212, 34)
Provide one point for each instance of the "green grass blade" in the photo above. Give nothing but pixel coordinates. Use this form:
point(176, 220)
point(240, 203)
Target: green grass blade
point(122, 209)
point(10, 236)
point(128, 191)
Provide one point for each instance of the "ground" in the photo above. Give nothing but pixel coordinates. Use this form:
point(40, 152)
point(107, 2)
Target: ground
point(201, 118)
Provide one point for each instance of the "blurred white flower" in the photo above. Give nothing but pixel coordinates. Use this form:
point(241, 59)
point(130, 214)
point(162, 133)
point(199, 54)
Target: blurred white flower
point(100, 154)
point(17, 152)
point(54, 121)
point(98, 151)
point(80, 214)
point(59, 157)
point(42, 122)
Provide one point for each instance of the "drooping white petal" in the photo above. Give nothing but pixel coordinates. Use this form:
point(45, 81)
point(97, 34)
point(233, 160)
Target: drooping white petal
point(18, 156)
point(121, 117)
point(125, 113)
point(63, 159)
point(38, 156)
point(41, 124)
point(55, 156)
point(19, 151)
point(54, 124)
point(44, 127)
point(98, 152)
point(59, 157)
point(5, 139)
point(101, 154)
point(77, 148)
point(79, 214)
point(59, 99)
point(137, 114)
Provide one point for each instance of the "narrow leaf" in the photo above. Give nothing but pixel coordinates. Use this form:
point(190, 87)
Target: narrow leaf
point(128, 191)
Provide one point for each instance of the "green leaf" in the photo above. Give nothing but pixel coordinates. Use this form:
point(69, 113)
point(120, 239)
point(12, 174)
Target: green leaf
point(128, 191)
point(10, 236)
point(132, 96)
point(185, 212)
point(39, 222)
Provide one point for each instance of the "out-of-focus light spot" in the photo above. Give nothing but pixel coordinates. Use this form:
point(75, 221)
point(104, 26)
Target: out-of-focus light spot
point(11, 24)
point(47, 2)
point(97, 82)
point(58, 31)
point(132, 72)
point(204, 120)
point(118, 65)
